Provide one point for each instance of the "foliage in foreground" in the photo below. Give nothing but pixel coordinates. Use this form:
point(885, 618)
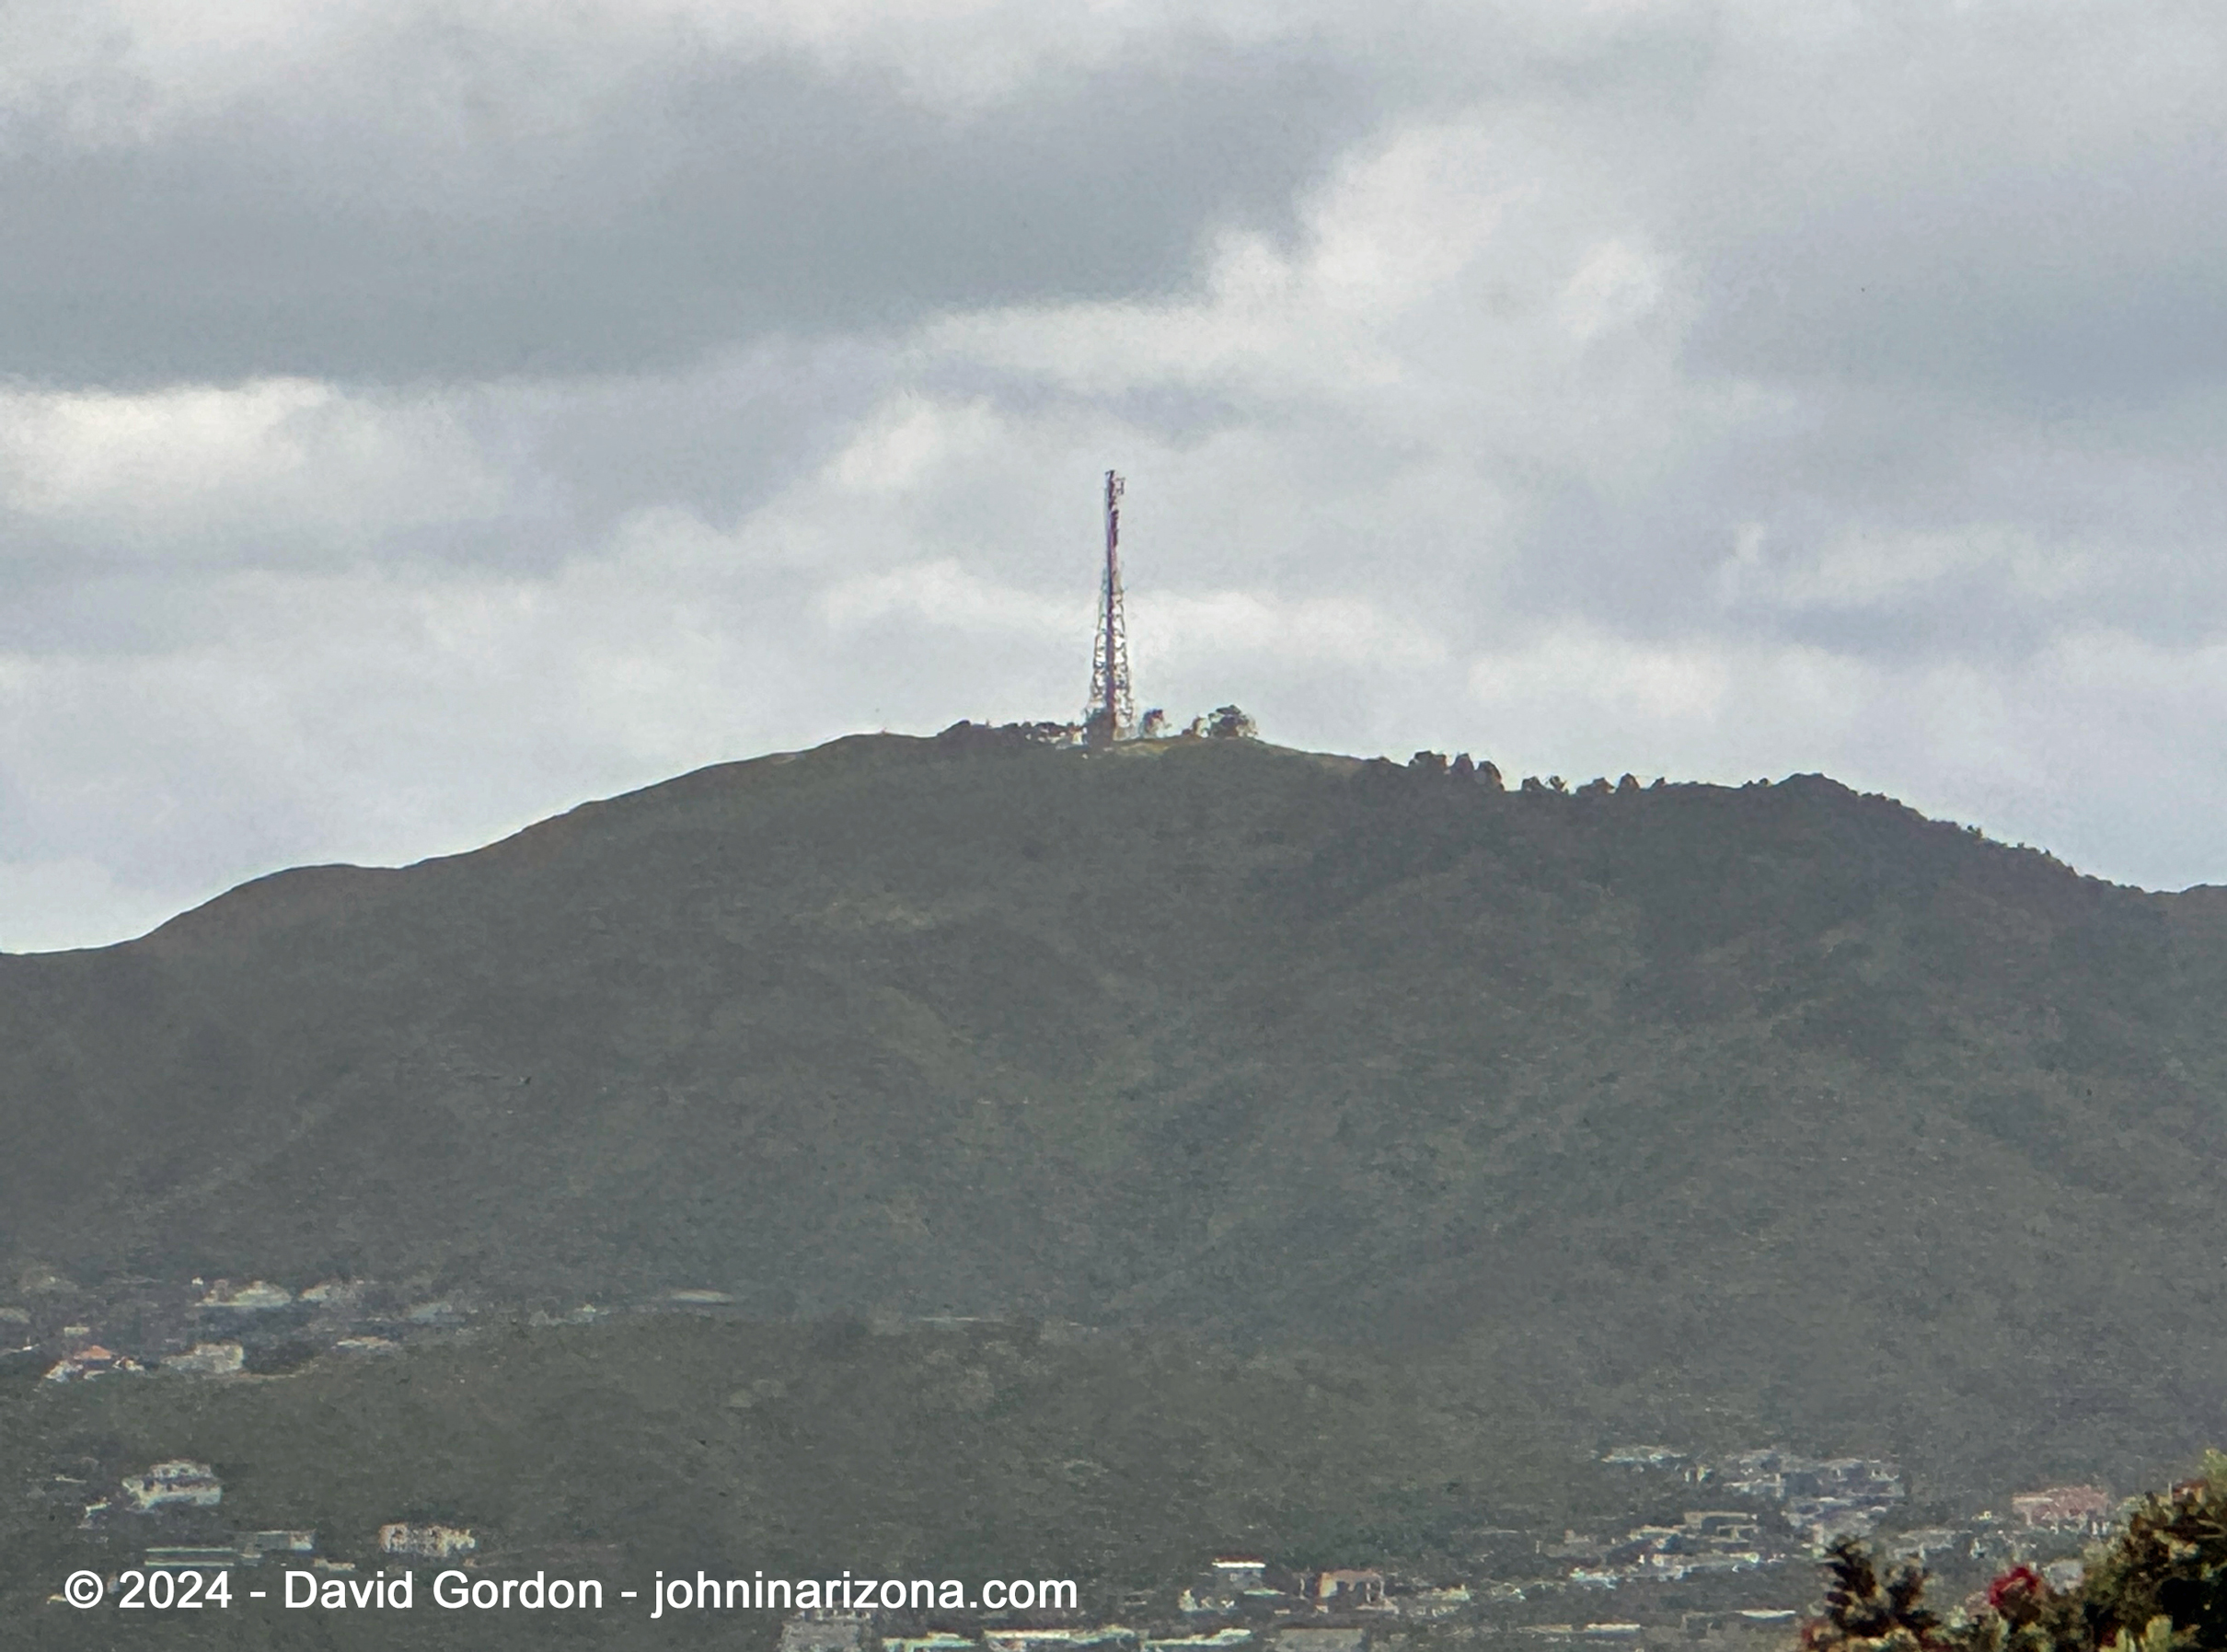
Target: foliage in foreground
point(2160, 1586)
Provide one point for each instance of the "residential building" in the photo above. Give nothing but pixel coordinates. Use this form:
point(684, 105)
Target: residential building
point(1108, 1635)
point(176, 1484)
point(427, 1542)
point(209, 1359)
point(1348, 1587)
point(191, 1559)
point(1643, 1457)
point(1218, 1640)
point(824, 1632)
point(2084, 1508)
point(90, 1361)
point(256, 1544)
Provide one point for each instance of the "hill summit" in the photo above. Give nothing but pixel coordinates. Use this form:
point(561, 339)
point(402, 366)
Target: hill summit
point(1690, 1108)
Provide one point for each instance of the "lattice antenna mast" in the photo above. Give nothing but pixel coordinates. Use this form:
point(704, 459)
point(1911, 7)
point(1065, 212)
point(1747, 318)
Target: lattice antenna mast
point(1113, 713)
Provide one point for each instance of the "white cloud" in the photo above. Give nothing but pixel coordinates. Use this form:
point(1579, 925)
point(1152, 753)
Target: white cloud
point(1871, 569)
point(1620, 684)
point(224, 471)
point(1226, 626)
point(944, 594)
point(1399, 224)
point(909, 440)
point(52, 905)
point(1614, 286)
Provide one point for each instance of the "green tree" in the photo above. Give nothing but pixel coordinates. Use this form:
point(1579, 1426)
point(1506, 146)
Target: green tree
point(2158, 1586)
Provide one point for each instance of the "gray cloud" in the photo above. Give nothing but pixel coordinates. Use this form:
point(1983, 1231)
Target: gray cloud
point(324, 230)
point(2028, 203)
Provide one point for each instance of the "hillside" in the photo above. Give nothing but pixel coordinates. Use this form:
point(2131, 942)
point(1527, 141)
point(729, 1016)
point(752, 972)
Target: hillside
point(970, 1453)
point(1685, 1111)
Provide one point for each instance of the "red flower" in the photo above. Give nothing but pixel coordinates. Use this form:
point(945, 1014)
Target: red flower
point(2016, 1586)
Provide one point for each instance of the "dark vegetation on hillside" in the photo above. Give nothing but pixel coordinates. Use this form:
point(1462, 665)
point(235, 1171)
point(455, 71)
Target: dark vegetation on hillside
point(659, 1441)
point(1715, 1114)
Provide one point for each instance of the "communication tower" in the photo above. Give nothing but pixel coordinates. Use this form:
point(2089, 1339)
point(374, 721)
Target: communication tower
point(1112, 714)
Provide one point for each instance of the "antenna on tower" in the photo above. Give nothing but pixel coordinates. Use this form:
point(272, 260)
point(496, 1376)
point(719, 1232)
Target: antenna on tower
point(1112, 714)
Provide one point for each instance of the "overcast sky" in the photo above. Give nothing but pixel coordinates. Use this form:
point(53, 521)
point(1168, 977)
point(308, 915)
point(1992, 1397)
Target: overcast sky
point(416, 419)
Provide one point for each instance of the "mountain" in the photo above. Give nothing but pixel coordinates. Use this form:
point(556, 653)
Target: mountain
point(1685, 1110)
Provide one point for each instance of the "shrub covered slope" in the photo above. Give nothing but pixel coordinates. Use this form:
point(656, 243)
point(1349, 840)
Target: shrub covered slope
point(1688, 1111)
